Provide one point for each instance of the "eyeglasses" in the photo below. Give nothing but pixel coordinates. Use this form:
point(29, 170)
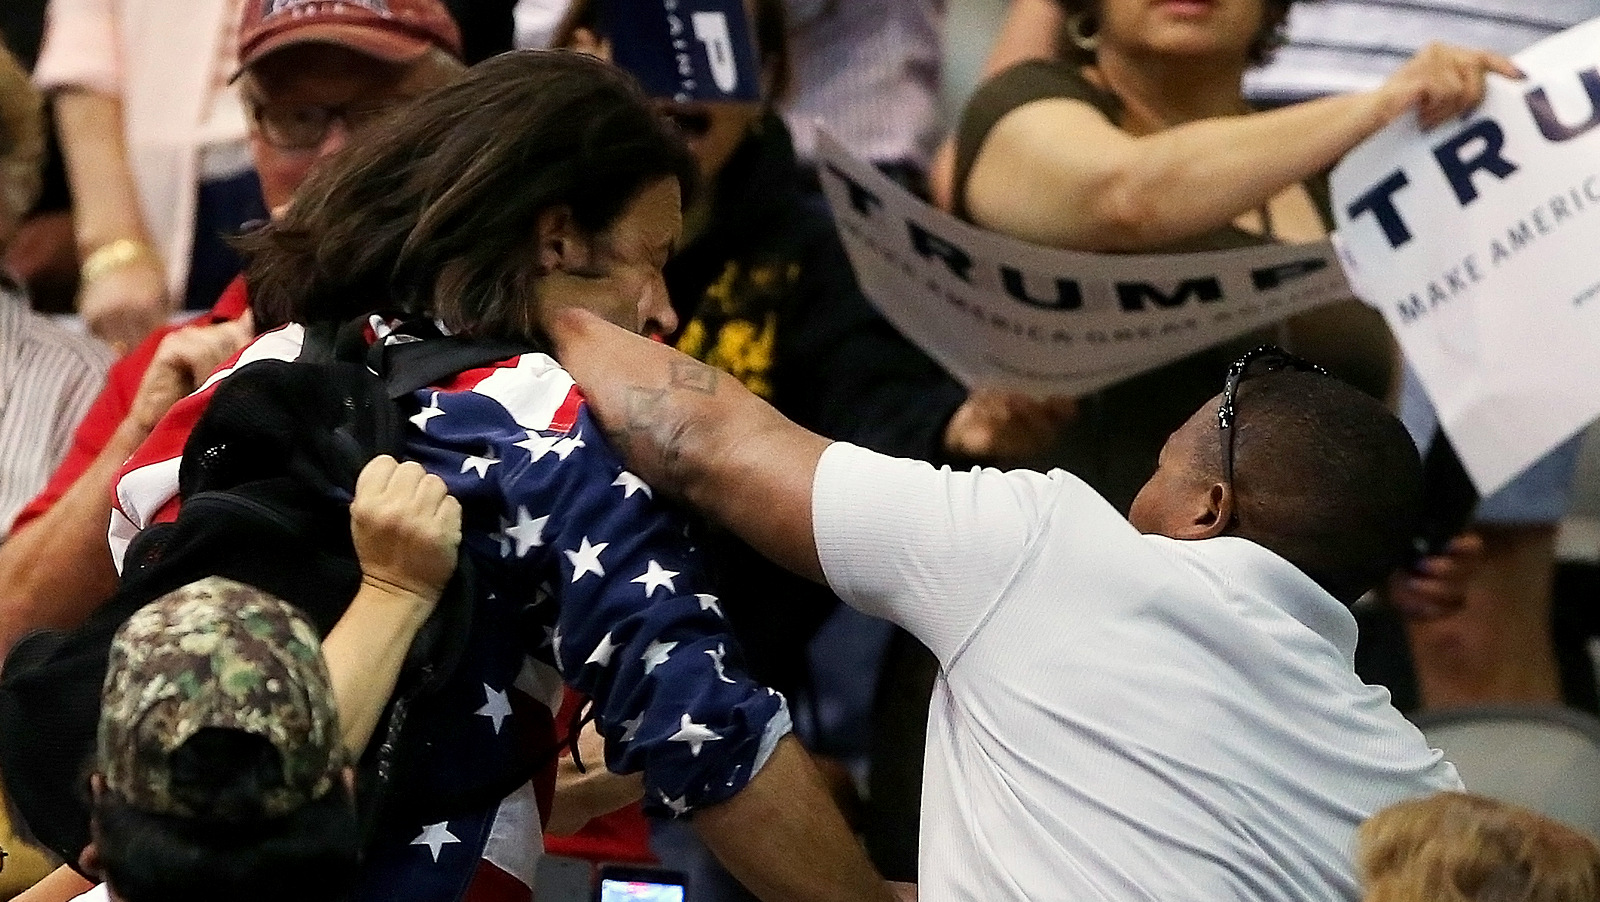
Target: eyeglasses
point(1262, 360)
point(304, 126)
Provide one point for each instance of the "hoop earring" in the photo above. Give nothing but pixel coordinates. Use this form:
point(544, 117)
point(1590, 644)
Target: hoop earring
point(1079, 34)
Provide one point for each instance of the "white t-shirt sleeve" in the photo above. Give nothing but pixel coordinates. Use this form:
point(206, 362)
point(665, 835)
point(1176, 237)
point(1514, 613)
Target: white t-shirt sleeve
point(928, 549)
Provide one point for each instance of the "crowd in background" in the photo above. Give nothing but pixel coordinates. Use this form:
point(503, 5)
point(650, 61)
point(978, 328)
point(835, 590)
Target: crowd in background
point(140, 138)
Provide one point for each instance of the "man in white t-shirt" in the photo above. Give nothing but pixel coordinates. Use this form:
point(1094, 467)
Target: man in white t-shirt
point(1158, 709)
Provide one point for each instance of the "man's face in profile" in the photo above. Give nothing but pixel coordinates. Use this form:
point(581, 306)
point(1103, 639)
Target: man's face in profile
point(617, 274)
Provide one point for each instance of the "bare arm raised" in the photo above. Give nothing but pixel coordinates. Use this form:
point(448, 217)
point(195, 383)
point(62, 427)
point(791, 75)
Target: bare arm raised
point(696, 432)
point(1057, 172)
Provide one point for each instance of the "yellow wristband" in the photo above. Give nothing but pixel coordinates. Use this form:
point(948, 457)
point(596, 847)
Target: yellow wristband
point(112, 255)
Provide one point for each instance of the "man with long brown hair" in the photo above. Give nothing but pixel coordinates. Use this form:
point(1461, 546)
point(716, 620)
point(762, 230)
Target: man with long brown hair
point(540, 182)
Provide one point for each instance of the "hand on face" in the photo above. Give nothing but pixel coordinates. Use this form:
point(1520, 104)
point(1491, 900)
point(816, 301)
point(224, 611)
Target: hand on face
point(616, 275)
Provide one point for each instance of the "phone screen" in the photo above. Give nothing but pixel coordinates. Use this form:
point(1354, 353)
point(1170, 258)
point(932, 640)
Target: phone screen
point(613, 890)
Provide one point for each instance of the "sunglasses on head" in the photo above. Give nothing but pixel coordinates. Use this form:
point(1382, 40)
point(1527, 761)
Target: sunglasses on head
point(1262, 360)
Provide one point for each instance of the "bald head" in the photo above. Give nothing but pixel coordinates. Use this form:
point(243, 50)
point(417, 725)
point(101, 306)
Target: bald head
point(1324, 476)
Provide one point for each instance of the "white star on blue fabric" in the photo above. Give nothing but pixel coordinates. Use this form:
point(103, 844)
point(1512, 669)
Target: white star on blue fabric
point(655, 577)
point(496, 707)
point(716, 661)
point(586, 559)
point(478, 464)
point(555, 644)
point(526, 533)
point(630, 728)
point(657, 654)
point(420, 420)
point(709, 603)
point(435, 837)
point(696, 734)
point(630, 484)
point(538, 445)
point(602, 652)
point(566, 446)
point(678, 806)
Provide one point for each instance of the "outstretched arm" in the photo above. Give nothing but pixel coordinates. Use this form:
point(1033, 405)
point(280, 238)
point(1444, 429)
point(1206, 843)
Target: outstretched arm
point(923, 548)
point(1057, 172)
point(696, 432)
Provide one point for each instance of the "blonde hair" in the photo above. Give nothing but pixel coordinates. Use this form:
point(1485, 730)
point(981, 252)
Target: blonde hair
point(1458, 847)
point(21, 139)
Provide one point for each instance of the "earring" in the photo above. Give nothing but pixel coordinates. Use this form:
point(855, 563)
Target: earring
point(1079, 33)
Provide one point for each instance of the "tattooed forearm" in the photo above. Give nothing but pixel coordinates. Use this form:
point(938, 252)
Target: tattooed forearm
point(659, 425)
point(694, 376)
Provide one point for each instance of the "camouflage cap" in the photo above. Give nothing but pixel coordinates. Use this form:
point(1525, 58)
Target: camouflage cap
point(217, 653)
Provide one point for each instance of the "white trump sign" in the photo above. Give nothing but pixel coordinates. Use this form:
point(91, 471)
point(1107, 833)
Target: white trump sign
point(1480, 242)
point(997, 312)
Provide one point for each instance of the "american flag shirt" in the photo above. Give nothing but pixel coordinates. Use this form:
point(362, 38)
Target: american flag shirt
point(584, 577)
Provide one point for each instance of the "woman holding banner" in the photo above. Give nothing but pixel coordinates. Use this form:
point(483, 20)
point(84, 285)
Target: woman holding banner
point(1142, 135)
point(1478, 618)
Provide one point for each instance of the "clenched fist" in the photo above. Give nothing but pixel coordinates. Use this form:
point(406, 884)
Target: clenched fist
point(406, 529)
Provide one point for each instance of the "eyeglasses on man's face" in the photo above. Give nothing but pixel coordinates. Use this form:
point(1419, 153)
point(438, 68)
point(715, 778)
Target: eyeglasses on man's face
point(304, 126)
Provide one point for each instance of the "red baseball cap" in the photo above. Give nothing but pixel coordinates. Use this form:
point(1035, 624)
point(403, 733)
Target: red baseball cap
point(396, 31)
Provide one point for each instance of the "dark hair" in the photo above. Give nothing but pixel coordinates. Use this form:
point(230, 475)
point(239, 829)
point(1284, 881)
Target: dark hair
point(435, 210)
point(1267, 40)
point(770, 23)
point(1325, 476)
point(232, 853)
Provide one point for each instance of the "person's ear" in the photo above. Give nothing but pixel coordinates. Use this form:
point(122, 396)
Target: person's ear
point(1211, 515)
point(560, 245)
point(89, 861)
point(89, 858)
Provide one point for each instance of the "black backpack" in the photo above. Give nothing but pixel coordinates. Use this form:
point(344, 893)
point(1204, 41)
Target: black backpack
point(266, 480)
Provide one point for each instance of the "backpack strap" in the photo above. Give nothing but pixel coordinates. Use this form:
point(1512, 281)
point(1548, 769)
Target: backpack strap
point(319, 343)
